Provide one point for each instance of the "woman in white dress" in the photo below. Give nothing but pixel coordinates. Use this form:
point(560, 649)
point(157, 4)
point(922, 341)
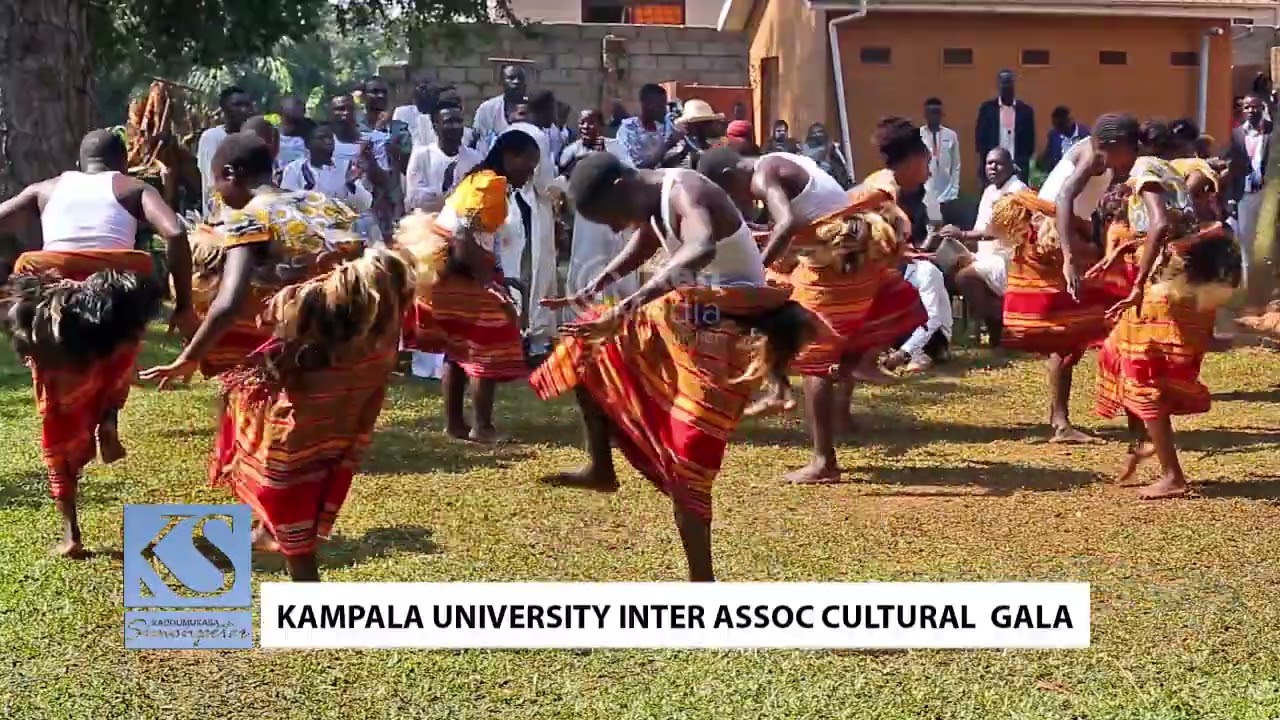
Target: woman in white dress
point(594, 245)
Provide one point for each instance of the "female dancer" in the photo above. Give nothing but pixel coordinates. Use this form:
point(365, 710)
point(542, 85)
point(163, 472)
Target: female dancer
point(298, 409)
point(467, 313)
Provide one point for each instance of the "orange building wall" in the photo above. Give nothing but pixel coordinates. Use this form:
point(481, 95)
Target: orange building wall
point(1147, 86)
point(797, 36)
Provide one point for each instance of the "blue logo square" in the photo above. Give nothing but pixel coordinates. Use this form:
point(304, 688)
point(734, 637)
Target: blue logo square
point(165, 536)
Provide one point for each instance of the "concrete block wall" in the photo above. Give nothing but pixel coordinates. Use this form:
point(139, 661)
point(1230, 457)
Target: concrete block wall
point(567, 59)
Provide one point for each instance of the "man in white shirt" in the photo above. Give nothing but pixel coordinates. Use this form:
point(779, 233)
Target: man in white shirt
point(435, 170)
point(319, 172)
point(981, 278)
point(295, 130)
point(418, 115)
point(930, 342)
point(533, 244)
point(492, 115)
point(594, 245)
point(942, 188)
point(236, 108)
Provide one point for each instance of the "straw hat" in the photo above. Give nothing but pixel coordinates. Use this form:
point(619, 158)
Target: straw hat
point(695, 111)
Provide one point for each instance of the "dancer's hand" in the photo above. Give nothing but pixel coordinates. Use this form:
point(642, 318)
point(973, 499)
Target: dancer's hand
point(1072, 276)
point(559, 303)
point(603, 327)
point(184, 322)
point(180, 369)
point(1132, 300)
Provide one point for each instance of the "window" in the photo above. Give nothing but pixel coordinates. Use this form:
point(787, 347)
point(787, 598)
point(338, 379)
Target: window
point(634, 12)
point(1184, 59)
point(875, 55)
point(1035, 58)
point(957, 57)
point(1113, 57)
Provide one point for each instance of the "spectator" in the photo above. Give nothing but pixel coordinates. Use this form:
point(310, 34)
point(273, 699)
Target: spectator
point(819, 148)
point(647, 138)
point(418, 116)
point(1065, 133)
point(493, 115)
point(943, 187)
point(1250, 147)
point(236, 108)
point(781, 140)
point(697, 127)
point(318, 171)
point(740, 111)
point(741, 137)
point(295, 129)
point(981, 278)
point(617, 115)
point(436, 169)
point(1006, 122)
point(929, 343)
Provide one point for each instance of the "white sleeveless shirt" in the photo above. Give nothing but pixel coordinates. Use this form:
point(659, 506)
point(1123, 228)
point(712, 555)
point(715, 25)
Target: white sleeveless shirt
point(1088, 199)
point(822, 195)
point(82, 213)
point(738, 261)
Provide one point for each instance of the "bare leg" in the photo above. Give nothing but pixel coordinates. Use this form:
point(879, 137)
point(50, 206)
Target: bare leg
point(302, 568)
point(263, 541)
point(819, 395)
point(482, 402)
point(599, 474)
point(868, 370)
point(70, 545)
point(454, 387)
point(1060, 371)
point(777, 399)
point(1140, 449)
point(986, 304)
point(109, 447)
point(1172, 482)
point(695, 535)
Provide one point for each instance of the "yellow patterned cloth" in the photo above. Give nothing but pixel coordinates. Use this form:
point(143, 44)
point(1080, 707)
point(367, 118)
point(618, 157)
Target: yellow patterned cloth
point(481, 199)
point(1177, 201)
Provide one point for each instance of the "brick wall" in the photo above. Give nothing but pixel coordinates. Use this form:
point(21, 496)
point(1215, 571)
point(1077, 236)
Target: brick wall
point(567, 59)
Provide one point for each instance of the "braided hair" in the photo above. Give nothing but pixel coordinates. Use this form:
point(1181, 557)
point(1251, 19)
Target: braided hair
point(898, 139)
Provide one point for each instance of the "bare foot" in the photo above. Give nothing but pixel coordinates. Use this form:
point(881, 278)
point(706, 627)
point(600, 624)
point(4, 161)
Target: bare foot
point(1136, 457)
point(770, 405)
point(458, 433)
point(1068, 435)
point(486, 436)
point(872, 375)
point(263, 541)
point(69, 549)
point(109, 447)
point(1163, 489)
point(585, 479)
point(817, 472)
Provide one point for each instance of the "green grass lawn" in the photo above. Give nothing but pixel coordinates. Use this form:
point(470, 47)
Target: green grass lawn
point(952, 483)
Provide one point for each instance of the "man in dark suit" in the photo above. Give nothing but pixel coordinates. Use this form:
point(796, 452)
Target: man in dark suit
point(1250, 146)
point(1006, 122)
point(1064, 134)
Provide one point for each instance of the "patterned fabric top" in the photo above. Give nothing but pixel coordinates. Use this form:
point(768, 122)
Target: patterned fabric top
point(481, 200)
point(295, 223)
point(1177, 201)
point(1187, 166)
point(639, 141)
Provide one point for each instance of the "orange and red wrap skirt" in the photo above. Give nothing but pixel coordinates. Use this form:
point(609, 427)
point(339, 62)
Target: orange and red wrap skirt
point(74, 401)
point(466, 321)
point(289, 450)
point(671, 383)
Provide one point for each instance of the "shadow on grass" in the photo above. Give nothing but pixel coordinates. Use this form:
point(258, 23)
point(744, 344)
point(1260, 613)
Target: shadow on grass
point(343, 551)
point(1263, 488)
point(997, 479)
point(1218, 441)
point(417, 448)
point(30, 489)
point(1270, 395)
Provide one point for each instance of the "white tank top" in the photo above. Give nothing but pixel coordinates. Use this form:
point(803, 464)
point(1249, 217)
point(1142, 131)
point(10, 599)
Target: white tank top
point(738, 261)
point(822, 195)
point(82, 213)
point(1088, 199)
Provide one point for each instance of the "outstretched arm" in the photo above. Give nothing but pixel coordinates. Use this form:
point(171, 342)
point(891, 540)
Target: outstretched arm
point(21, 209)
point(642, 245)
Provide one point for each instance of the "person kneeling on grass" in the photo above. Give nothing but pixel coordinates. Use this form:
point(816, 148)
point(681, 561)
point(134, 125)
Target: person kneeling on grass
point(668, 372)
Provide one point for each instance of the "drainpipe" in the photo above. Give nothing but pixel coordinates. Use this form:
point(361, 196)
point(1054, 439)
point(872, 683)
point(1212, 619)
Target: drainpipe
point(838, 69)
point(1202, 95)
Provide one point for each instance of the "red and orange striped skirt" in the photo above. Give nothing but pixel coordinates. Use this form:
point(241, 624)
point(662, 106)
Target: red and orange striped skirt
point(290, 451)
point(74, 401)
point(895, 312)
point(466, 322)
point(1150, 363)
point(671, 383)
point(843, 300)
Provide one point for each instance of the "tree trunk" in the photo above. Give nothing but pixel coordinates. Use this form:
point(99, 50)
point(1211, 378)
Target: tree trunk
point(45, 89)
